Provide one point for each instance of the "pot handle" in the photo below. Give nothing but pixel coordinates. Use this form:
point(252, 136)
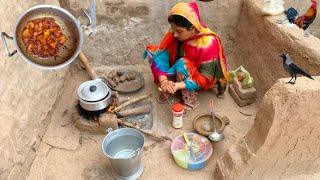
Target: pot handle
point(89, 18)
point(226, 120)
point(3, 37)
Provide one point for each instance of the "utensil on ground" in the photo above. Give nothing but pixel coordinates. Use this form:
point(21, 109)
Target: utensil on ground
point(117, 146)
point(189, 145)
point(203, 123)
point(93, 95)
point(215, 136)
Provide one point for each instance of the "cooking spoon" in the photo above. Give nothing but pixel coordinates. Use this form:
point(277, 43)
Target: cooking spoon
point(215, 136)
point(189, 145)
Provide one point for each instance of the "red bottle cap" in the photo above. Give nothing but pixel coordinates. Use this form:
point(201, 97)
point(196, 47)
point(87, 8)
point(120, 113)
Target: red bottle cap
point(177, 107)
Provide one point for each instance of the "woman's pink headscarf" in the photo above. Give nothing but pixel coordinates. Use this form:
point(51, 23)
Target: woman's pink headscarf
point(190, 11)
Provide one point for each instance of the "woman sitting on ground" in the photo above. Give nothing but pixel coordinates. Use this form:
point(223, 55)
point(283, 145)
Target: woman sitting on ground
point(190, 57)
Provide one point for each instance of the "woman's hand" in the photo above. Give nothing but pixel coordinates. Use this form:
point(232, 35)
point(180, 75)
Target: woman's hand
point(167, 86)
point(179, 85)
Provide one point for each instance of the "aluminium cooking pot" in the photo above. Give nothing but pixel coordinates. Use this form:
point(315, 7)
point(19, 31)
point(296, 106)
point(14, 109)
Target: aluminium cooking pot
point(94, 95)
point(69, 26)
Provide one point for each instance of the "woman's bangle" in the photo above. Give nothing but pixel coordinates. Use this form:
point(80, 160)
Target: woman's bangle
point(162, 81)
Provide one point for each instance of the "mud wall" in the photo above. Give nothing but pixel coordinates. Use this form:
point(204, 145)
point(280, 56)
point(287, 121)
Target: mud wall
point(259, 39)
point(125, 27)
point(283, 143)
point(27, 95)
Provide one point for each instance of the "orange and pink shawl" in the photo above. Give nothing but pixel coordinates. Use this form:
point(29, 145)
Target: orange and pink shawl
point(204, 48)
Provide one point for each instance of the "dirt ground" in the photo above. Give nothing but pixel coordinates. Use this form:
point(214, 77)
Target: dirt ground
point(67, 153)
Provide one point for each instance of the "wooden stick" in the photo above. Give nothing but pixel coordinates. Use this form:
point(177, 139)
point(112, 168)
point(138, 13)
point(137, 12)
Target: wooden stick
point(134, 111)
point(130, 102)
point(86, 64)
point(155, 136)
point(246, 114)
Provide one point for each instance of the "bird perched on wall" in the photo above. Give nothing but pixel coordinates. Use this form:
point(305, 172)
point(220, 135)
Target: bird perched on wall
point(304, 21)
point(293, 69)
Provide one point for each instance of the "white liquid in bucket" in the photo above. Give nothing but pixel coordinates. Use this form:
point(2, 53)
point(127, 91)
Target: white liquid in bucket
point(123, 147)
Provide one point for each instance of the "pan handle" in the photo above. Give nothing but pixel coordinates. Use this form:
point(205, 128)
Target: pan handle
point(89, 18)
point(86, 64)
point(3, 37)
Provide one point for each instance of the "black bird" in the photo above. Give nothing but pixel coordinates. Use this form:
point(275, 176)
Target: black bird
point(293, 69)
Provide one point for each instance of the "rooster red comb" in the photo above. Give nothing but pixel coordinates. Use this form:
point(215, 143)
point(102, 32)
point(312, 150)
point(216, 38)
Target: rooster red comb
point(314, 3)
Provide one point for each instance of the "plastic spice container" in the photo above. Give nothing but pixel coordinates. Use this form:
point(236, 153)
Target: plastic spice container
point(177, 111)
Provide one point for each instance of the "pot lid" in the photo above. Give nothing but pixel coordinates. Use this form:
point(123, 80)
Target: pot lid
point(93, 90)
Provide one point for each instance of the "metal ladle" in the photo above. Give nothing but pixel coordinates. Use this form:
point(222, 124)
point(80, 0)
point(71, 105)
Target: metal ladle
point(215, 136)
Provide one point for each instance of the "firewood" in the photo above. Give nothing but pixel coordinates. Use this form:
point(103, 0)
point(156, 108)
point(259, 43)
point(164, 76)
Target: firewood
point(130, 102)
point(134, 111)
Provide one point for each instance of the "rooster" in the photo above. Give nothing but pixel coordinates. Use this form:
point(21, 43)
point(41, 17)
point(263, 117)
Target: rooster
point(304, 21)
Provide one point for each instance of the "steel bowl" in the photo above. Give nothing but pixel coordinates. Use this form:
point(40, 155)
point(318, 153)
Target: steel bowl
point(69, 26)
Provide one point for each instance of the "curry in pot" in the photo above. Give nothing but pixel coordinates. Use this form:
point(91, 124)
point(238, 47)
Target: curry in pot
point(43, 37)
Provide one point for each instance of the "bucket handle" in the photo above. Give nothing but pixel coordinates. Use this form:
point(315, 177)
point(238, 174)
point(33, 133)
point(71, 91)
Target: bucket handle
point(133, 154)
point(137, 152)
point(3, 37)
point(109, 130)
